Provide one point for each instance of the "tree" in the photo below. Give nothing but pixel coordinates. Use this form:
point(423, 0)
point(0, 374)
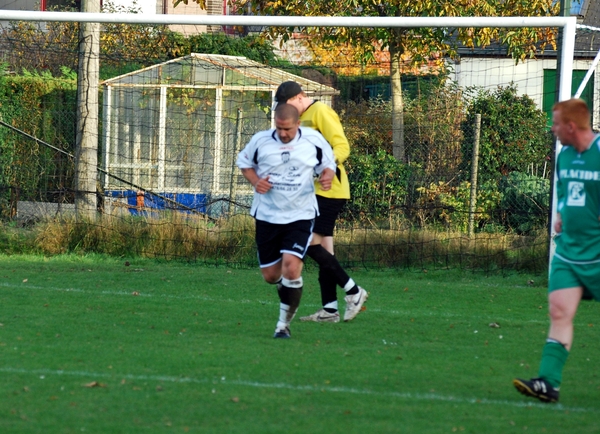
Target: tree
point(418, 46)
point(29, 46)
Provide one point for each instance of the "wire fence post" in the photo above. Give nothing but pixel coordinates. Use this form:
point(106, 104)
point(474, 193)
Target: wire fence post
point(236, 147)
point(474, 168)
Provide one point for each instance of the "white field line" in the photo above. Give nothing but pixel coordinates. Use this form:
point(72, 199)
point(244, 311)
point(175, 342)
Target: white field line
point(435, 313)
point(399, 395)
point(93, 376)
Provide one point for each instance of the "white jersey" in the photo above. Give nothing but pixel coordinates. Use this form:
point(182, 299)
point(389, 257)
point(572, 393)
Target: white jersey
point(291, 168)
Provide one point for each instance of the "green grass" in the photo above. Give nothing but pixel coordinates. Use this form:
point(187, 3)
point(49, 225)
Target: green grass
point(172, 347)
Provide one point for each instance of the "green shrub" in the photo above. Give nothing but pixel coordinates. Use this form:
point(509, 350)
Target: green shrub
point(368, 125)
point(252, 46)
point(513, 135)
point(379, 185)
point(443, 205)
point(432, 130)
point(525, 201)
point(43, 106)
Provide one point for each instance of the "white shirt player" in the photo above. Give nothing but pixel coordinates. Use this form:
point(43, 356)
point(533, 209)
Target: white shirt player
point(291, 168)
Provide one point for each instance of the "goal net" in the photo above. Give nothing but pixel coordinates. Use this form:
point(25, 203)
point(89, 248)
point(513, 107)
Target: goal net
point(451, 156)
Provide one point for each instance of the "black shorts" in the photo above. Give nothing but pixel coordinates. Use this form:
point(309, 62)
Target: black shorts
point(329, 210)
point(273, 240)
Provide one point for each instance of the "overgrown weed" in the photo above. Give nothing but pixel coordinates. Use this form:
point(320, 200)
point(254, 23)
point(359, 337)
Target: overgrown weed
point(177, 236)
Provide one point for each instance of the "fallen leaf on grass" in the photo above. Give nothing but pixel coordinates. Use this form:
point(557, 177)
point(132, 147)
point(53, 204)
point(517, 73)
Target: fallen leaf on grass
point(94, 384)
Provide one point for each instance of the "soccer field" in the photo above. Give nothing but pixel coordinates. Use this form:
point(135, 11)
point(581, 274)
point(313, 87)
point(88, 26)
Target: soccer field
point(90, 344)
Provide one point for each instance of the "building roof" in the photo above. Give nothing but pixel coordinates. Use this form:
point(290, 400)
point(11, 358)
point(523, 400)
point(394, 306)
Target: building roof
point(587, 40)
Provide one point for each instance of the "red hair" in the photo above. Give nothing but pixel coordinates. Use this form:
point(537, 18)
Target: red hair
point(574, 110)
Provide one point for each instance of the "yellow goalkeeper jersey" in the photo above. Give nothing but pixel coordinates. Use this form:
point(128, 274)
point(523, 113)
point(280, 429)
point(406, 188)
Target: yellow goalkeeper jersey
point(324, 119)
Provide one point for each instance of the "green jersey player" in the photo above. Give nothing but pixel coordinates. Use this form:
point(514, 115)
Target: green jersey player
point(575, 268)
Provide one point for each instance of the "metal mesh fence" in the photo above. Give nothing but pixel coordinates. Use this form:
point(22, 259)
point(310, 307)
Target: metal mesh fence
point(470, 187)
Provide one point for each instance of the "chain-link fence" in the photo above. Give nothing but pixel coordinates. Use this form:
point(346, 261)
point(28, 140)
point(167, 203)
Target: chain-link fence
point(451, 169)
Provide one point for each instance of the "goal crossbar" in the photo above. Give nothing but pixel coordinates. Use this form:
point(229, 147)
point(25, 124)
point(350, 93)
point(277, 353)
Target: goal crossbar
point(287, 21)
point(568, 24)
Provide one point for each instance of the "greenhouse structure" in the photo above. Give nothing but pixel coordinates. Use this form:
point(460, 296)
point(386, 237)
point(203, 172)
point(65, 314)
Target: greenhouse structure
point(172, 131)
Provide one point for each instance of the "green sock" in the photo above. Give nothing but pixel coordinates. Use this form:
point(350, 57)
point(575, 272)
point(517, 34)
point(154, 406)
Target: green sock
point(554, 357)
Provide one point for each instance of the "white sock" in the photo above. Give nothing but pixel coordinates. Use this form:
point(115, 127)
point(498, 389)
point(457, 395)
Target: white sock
point(331, 305)
point(297, 283)
point(286, 313)
point(349, 285)
point(283, 316)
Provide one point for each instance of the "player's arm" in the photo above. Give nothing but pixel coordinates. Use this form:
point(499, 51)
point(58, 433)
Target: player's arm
point(326, 178)
point(560, 198)
point(261, 185)
point(560, 203)
point(558, 223)
point(247, 164)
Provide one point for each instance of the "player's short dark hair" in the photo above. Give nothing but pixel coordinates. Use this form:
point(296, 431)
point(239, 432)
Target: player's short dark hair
point(287, 90)
point(286, 111)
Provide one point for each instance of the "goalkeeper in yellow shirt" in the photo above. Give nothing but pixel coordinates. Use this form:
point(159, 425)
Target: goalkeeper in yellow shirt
point(321, 117)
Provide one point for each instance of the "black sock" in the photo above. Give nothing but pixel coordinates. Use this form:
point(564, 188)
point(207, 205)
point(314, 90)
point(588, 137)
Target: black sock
point(328, 263)
point(328, 289)
point(289, 296)
point(353, 290)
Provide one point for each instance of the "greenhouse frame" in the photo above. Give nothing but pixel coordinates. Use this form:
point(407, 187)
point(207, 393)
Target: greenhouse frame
point(172, 131)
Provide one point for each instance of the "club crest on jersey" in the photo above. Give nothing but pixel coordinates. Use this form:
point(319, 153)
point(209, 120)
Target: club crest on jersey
point(576, 195)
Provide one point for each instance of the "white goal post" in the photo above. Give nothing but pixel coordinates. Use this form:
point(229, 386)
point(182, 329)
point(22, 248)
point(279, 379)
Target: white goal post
point(567, 24)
